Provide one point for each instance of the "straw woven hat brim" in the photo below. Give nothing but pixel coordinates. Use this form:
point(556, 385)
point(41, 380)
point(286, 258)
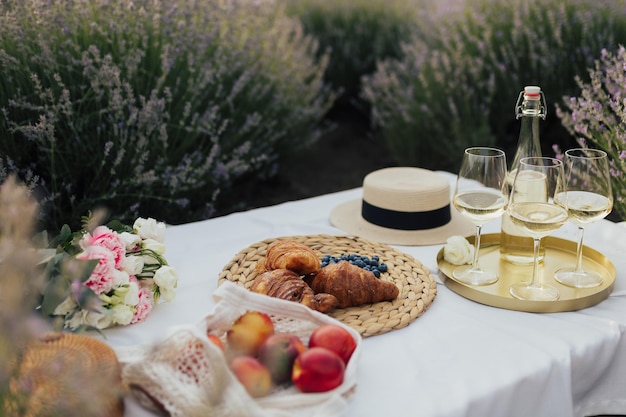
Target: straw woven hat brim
point(402, 206)
point(64, 371)
point(347, 217)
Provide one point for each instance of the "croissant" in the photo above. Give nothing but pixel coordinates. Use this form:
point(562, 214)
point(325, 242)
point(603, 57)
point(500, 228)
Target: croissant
point(292, 255)
point(352, 285)
point(287, 285)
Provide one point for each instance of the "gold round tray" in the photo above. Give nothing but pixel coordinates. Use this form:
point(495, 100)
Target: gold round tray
point(559, 252)
point(417, 285)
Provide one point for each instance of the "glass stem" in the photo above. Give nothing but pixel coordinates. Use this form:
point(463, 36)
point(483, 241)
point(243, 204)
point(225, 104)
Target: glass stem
point(476, 248)
point(579, 249)
point(536, 245)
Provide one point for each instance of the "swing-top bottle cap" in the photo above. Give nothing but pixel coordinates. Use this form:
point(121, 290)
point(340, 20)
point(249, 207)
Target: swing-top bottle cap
point(532, 92)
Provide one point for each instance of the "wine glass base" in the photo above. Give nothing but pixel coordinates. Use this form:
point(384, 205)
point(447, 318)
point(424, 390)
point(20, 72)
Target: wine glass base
point(577, 279)
point(538, 292)
point(474, 276)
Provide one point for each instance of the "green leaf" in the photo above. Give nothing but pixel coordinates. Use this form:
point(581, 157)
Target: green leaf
point(119, 227)
point(54, 293)
point(64, 236)
point(61, 271)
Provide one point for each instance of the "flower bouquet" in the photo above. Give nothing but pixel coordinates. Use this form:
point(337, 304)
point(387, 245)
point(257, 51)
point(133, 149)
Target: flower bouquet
point(109, 275)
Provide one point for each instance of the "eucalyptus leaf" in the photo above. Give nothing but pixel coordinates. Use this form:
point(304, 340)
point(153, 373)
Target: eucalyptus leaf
point(64, 236)
point(61, 271)
point(54, 293)
point(119, 227)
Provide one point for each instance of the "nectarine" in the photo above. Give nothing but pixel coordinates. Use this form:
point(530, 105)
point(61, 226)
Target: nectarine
point(248, 332)
point(253, 375)
point(334, 338)
point(278, 353)
point(216, 340)
point(317, 370)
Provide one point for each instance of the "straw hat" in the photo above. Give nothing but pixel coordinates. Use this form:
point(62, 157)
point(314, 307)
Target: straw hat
point(65, 372)
point(402, 206)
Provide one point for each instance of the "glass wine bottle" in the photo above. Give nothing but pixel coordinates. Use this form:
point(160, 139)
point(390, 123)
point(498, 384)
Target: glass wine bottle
point(515, 245)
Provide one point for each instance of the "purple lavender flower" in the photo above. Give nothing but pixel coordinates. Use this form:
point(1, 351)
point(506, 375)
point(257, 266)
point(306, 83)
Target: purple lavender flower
point(598, 117)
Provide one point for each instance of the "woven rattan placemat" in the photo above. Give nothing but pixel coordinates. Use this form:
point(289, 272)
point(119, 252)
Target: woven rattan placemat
point(417, 285)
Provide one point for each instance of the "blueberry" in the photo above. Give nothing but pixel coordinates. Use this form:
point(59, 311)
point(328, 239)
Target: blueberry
point(362, 261)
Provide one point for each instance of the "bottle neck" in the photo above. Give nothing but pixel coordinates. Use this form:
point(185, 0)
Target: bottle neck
point(529, 143)
point(530, 109)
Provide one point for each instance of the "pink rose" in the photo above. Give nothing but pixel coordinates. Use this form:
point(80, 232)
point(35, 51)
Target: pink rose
point(107, 238)
point(102, 278)
point(144, 306)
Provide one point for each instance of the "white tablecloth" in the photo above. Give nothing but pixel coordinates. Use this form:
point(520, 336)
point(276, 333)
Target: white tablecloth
point(460, 358)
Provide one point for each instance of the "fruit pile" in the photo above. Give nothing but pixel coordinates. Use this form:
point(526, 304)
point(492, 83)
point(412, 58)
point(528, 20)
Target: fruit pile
point(261, 358)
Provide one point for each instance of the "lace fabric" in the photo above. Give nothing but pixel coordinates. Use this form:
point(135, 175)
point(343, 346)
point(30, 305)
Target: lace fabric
point(187, 375)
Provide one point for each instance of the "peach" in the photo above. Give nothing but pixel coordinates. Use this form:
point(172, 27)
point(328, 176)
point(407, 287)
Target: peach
point(253, 375)
point(317, 370)
point(334, 338)
point(248, 332)
point(216, 340)
point(278, 353)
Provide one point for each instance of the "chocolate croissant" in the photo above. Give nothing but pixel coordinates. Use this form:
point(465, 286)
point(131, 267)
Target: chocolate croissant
point(287, 285)
point(352, 285)
point(292, 255)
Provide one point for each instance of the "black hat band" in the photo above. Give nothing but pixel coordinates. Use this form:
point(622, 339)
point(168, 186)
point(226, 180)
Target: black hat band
point(403, 220)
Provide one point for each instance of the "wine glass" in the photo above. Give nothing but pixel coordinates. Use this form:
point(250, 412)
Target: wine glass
point(479, 196)
point(537, 214)
point(588, 198)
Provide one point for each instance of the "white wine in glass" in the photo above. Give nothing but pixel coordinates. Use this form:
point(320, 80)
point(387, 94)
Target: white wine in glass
point(479, 196)
point(538, 217)
point(588, 198)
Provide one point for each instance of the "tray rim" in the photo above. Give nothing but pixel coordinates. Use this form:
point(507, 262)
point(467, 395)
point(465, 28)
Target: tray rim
point(480, 295)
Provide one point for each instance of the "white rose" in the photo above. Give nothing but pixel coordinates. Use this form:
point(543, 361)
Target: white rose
point(120, 278)
point(167, 294)
point(126, 294)
point(76, 320)
point(458, 251)
point(89, 318)
point(167, 279)
point(154, 245)
point(98, 320)
point(150, 229)
point(130, 240)
point(121, 314)
point(67, 306)
point(132, 296)
point(133, 265)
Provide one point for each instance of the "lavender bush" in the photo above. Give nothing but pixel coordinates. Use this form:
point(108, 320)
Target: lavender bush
point(431, 105)
point(151, 108)
point(358, 33)
point(457, 87)
point(597, 117)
